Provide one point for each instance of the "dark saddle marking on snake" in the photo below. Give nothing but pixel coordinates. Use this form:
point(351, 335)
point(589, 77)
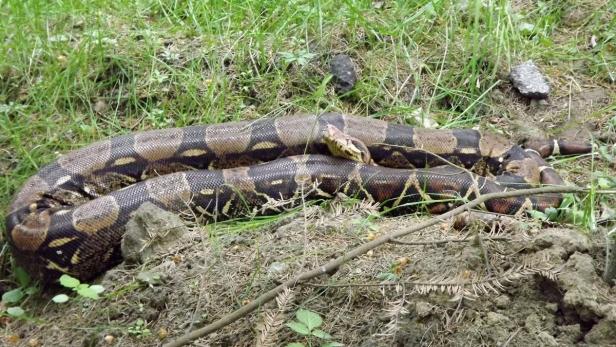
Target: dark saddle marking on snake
point(70, 216)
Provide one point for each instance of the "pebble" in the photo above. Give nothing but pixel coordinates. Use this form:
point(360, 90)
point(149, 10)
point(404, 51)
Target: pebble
point(341, 66)
point(423, 309)
point(529, 81)
point(277, 269)
point(502, 301)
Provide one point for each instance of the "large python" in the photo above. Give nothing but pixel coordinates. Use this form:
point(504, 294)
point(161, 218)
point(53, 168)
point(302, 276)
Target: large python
point(70, 216)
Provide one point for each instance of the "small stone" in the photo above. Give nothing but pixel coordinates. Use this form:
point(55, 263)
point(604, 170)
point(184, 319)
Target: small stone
point(423, 309)
point(495, 318)
point(149, 232)
point(552, 307)
point(529, 81)
point(109, 339)
point(34, 342)
point(163, 333)
point(277, 269)
point(547, 339)
point(533, 323)
point(502, 301)
point(341, 66)
point(101, 106)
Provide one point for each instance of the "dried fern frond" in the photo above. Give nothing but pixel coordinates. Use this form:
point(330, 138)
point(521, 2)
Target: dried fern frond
point(272, 320)
point(343, 205)
point(394, 311)
point(464, 287)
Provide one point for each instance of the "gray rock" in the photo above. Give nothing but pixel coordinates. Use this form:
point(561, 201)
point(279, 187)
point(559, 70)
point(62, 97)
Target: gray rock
point(277, 269)
point(502, 301)
point(341, 66)
point(547, 339)
point(552, 307)
point(151, 231)
point(495, 318)
point(533, 323)
point(423, 309)
point(529, 81)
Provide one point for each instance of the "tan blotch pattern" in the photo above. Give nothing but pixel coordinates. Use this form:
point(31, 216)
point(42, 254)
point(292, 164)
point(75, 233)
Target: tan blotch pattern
point(170, 189)
point(60, 242)
point(302, 175)
point(30, 234)
point(88, 159)
point(265, 145)
point(29, 193)
point(195, 152)
point(297, 130)
point(492, 146)
point(238, 179)
point(96, 215)
point(434, 141)
point(367, 130)
point(158, 144)
point(228, 138)
point(123, 161)
point(526, 168)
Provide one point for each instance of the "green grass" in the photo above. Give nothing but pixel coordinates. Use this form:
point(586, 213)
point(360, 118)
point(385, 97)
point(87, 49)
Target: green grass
point(72, 72)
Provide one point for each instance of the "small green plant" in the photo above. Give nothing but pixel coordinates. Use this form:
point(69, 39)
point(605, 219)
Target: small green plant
point(139, 328)
point(18, 295)
point(82, 289)
point(301, 58)
point(307, 325)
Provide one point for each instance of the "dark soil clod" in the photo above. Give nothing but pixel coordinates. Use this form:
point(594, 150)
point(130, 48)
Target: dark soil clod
point(343, 69)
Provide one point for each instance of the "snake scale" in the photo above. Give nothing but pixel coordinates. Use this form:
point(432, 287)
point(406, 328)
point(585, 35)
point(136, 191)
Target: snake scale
point(70, 216)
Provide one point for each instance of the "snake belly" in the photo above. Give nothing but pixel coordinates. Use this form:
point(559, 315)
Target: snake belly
point(70, 216)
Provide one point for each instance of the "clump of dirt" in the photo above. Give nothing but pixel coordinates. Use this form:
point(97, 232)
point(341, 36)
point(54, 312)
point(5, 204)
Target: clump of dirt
point(528, 287)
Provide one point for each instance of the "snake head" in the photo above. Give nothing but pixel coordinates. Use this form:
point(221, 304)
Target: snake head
point(345, 146)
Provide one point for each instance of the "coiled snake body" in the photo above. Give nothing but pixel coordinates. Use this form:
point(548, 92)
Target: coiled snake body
point(70, 216)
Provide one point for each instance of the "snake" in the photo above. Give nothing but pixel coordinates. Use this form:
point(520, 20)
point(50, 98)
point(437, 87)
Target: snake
point(70, 217)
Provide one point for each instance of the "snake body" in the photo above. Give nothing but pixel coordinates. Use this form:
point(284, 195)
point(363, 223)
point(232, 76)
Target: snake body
point(70, 216)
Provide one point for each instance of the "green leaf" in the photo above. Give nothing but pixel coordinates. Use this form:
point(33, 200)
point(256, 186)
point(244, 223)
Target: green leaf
point(299, 328)
point(311, 319)
point(31, 290)
point(13, 296)
point(551, 213)
point(60, 298)
point(97, 288)
point(81, 286)
point(69, 281)
point(295, 344)
point(387, 276)
point(22, 276)
point(87, 292)
point(321, 334)
point(332, 344)
point(150, 277)
point(538, 215)
point(604, 183)
point(15, 311)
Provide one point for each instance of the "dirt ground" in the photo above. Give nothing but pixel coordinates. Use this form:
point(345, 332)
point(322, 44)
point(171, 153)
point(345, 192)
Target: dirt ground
point(520, 283)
